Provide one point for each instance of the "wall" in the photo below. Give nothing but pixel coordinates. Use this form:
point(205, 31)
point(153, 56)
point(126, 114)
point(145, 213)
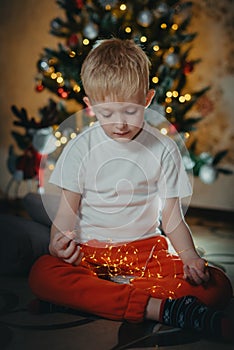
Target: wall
point(25, 32)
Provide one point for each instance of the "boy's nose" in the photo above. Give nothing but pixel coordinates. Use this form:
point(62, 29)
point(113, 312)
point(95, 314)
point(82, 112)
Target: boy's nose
point(120, 122)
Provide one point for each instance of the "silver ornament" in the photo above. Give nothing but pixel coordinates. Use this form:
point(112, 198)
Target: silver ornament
point(145, 18)
point(90, 31)
point(172, 59)
point(208, 174)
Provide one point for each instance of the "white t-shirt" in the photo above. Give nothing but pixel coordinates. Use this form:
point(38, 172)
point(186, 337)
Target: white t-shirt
point(123, 184)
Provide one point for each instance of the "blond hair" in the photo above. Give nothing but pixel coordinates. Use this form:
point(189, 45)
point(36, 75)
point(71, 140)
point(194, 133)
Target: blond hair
point(115, 68)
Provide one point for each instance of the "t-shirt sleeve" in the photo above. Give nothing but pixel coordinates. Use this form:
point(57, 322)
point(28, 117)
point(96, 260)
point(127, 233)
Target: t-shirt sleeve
point(173, 181)
point(69, 169)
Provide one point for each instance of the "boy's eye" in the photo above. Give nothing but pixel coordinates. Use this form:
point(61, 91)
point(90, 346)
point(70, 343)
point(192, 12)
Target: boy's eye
point(106, 114)
point(131, 111)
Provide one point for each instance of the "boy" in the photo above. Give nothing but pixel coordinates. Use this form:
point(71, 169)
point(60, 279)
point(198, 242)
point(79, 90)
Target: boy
point(117, 179)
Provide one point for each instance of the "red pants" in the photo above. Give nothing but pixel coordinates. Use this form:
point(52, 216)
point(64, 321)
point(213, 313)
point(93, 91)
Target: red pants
point(86, 287)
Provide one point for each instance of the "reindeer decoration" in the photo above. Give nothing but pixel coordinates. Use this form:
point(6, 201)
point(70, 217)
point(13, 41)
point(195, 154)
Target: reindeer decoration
point(34, 143)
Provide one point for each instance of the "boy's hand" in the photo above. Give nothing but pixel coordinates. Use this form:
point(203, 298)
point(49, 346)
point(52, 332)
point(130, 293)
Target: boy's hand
point(64, 247)
point(196, 271)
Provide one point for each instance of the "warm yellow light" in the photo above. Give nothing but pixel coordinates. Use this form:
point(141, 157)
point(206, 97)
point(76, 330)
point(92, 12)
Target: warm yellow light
point(163, 25)
point(63, 140)
point(156, 48)
point(174, 26)
point(182, 99)
point(169, 94)
point(86, 42)
point(76, 88)
point(53, 76)
point(72, 54)
point(108, 7)
point(186, 135)
point(164, 131)
point(57, 134)
point(143, 39)
point(91, 123)
point(128, 30)
point(171, 49)
point(187, 97)
point(168, 99)
point(155, 80)
point(168, 109)
point(73, 135)
point(51, 166)
point(57, 143)
point(123, 7)
point(59, 74)
point(59, 80)
point(175, 93)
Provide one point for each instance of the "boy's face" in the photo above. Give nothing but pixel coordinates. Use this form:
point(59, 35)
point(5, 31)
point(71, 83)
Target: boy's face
point(121, 121)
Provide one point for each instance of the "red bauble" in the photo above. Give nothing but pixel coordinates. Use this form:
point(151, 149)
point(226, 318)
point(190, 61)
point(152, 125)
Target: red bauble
point(79, 4)
point(72, 41)
point(188, 67)
point(39, 87)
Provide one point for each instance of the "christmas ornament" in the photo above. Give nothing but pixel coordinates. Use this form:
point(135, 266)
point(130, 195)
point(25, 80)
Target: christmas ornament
point(161, 10)
point(188, 67)
point(79, 4)
point(90, 31)
point(56, 23)
point(172, 59)
point(43, 65)
point(43, 141)
point(188, 162)
point(145, 18)
point(72, 41)
point(39, 87)
point(208, 173)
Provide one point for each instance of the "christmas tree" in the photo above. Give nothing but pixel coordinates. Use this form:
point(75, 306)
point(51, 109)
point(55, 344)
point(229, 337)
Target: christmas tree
point(161, 29)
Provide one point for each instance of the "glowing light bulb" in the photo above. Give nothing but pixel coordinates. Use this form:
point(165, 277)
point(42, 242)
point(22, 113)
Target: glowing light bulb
point(156, 48)
point(143, 39)
point(123, 7)
point(76, 88)
point(63, 140)
point(169, 94)
point(164, 131)
point(163, 25)
point(59, 80)
point(57, 134)
point(86, 42)
point(168, 109)
point(182, 99)
point(53, 76)
point(168, 99)
point(128, 29)
point(57, 143)
point(187, 97)
point(72, 54)
point(73, 135)
point(175, 93)
point(174, 26)
point(155, 80)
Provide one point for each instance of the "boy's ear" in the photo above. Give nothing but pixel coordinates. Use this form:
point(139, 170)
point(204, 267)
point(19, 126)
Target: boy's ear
point(89, 106)
point(149, 97)
point(87, 101)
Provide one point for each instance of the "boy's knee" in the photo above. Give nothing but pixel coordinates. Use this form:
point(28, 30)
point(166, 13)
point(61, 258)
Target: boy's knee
point(222, 289)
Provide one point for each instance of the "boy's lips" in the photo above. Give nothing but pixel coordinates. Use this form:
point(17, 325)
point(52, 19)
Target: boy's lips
point(121, 133)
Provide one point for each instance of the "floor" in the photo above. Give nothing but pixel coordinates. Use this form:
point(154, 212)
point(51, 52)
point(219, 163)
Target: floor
point(22, 330)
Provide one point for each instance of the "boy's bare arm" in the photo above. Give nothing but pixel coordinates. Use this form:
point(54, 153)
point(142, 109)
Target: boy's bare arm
point(62, 244)
point(178, 232)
